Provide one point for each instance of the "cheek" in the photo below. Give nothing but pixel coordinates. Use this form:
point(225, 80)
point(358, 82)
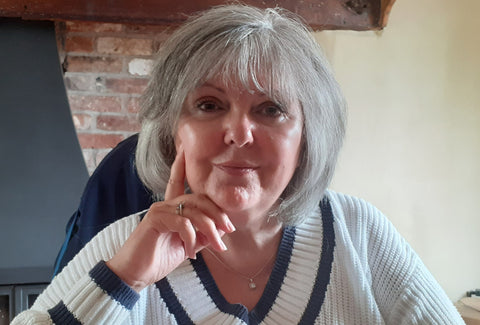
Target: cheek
point(187, 137)
point(196, 143)
point(292, 145)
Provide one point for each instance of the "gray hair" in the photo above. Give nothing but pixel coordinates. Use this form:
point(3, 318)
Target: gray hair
point(270, 49)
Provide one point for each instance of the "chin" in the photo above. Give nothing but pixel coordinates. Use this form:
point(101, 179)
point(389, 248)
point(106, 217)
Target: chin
point(234, 200)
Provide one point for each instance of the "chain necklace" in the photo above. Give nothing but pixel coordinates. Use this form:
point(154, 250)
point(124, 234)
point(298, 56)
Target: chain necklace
point(251, 279)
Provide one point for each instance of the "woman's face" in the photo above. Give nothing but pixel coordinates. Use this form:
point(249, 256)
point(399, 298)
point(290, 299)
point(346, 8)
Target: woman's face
point(241, 148)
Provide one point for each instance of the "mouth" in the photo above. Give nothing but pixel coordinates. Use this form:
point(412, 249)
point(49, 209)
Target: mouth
point(236, 169)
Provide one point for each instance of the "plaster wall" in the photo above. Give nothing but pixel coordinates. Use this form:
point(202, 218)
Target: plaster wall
point(413, 139)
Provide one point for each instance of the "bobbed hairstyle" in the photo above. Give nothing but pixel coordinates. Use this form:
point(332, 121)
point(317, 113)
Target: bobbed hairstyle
point(270, 50)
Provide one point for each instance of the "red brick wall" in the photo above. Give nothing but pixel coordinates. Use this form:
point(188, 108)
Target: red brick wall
point(106, 68)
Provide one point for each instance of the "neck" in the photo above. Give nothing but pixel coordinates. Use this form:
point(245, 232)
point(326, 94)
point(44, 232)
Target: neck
point(242, 271)
point(252, 237)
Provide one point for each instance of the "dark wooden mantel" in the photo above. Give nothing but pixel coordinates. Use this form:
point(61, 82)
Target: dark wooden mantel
point(319, 14)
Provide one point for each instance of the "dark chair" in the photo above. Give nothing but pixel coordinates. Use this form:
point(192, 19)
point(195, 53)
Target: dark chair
point(112, 192)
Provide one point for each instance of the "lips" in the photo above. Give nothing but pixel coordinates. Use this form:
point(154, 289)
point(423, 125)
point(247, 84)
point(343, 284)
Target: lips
point(237, 168)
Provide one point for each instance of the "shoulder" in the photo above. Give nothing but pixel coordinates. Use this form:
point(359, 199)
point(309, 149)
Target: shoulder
point(350, 205)
point(402, 286)
point(362, 225)
point(353, 212)
point(363, 231)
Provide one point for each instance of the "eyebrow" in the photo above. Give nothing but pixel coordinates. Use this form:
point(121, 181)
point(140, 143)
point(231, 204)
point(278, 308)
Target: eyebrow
point(209, 85)
point(223, 91)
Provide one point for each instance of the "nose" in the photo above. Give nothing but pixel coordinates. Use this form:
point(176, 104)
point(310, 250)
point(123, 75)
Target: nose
point(238, 129)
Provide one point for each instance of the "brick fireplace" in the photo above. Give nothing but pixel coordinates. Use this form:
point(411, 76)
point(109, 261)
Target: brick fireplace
point(106, 68)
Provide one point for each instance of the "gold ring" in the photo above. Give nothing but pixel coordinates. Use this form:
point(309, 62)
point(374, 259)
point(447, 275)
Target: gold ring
point(180, 207)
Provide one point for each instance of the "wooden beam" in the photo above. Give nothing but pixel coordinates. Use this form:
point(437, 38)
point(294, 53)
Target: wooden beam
point(319, 14)
point(386, 8)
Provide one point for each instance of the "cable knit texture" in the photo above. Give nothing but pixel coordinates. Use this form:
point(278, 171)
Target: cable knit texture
point(345, 265)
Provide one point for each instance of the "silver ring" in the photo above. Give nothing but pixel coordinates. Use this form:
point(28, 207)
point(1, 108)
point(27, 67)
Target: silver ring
point(179, 209)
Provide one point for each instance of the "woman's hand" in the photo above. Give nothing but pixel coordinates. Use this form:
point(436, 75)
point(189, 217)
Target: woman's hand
point(168, 235)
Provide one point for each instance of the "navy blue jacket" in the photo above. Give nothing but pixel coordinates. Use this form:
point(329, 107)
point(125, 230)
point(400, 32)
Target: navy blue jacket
point(112, 192)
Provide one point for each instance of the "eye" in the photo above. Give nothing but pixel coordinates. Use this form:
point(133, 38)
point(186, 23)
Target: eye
point(272, 110)
point(208, 105)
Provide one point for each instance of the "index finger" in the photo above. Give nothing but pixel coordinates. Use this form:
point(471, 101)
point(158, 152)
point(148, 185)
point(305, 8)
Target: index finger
point(176, 183)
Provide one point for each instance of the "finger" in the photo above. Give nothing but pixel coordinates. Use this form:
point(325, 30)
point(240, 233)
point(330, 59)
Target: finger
point(189, 224)
point(211, 210)
point(176, 183)
point(206, 226)
point(174, 223)
point(202, 241)
point(188, 235)
point(193, 221)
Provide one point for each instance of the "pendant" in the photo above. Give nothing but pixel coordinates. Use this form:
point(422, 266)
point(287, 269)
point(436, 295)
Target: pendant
point(252, 284)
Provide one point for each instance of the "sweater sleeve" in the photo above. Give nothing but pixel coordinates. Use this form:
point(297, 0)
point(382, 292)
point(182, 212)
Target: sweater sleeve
point(423, 301)
point(405, 291)
point(87, 291)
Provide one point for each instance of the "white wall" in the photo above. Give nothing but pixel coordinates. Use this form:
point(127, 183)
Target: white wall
point(413, 140)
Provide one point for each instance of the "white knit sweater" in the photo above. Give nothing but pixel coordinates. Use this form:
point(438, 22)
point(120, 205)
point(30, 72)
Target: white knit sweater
point(345, 265)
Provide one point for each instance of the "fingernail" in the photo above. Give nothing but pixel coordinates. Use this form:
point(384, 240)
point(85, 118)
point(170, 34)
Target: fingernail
point(230, 226)
point(224, 247)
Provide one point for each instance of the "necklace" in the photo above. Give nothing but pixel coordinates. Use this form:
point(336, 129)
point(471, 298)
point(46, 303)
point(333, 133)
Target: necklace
point(251, 279)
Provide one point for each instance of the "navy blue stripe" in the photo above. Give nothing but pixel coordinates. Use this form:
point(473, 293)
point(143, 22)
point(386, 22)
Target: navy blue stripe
point(208, 282)
point(61, 315)
point(174, 306)
point(325, 266)
point(276, 279)
point(113, 285)
point(271, 290)
point(258, 314)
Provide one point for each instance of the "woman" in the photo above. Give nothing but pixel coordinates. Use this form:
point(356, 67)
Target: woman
point(241, 126)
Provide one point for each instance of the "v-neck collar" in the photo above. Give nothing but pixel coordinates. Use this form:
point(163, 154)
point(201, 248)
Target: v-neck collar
point(295, 290)
point(271, 290)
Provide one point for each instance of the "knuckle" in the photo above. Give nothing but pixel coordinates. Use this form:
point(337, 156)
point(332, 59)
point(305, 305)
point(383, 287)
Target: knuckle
point(184, 222)
point(208, 224)
point(157, 206)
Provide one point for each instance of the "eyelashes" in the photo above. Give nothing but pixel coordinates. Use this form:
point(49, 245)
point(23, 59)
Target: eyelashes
point(267, 109)
point(208, 105)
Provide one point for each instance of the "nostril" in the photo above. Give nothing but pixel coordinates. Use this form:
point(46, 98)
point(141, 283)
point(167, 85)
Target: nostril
point(239, 137)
